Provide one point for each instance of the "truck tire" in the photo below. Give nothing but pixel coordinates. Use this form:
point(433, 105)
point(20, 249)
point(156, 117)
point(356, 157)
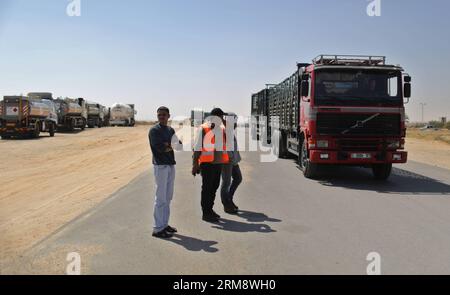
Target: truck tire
point(310, 170)
point(52, 129)
point(283, 152)
point(382, 171)
point(71, 125)
point(37, 130)
point(84, 125)
point(6, 136)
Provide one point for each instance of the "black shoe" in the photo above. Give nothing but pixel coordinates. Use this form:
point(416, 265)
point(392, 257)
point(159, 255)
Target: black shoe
point(215, 214)
point(234, 205)
point(210, 218)
point(170, 229)
point(230, 209)
point(162, 234)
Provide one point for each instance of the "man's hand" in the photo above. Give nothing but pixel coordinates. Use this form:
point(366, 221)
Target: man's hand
point(168, 147)
point(195, 169)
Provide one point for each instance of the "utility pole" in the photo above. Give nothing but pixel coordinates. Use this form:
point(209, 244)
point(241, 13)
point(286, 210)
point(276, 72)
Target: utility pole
point(423, 110)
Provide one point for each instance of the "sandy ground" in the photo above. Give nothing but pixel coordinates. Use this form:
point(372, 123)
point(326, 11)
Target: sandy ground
point(431, 152)
point(47, 182)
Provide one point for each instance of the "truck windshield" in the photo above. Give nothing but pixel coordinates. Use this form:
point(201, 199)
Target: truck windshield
point(357, 87)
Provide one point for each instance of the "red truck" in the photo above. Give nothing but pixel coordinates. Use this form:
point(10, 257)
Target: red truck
point(337, 110)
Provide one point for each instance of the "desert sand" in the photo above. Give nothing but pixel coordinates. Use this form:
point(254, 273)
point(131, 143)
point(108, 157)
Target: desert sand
point(47, 182)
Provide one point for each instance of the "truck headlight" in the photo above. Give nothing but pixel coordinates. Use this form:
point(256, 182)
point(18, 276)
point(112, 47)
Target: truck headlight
point(322, 143)
point(394, 144)
point(397, 157)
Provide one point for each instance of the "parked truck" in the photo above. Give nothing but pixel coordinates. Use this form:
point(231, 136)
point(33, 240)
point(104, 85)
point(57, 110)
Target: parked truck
point(96, 115)
point(122, 115)
point(337, 110)
point(27, 116)
point(72, 113)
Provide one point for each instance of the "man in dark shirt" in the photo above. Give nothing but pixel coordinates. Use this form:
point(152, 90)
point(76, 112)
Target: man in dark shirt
point(162, 142)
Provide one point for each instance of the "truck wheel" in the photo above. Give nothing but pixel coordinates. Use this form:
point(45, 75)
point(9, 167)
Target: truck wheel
point(71, 125)
point(382, 171)
point(52, 129)
point(37, 130)
point(282, 146)
point(6, 136)
point(84, 125)
point(310, 170)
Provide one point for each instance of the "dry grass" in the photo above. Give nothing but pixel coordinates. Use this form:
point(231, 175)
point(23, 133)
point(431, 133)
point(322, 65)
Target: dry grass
point(145, 123)
point(442, 135)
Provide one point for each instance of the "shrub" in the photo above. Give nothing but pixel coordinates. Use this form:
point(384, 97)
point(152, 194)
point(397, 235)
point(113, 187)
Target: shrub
point(436, 124)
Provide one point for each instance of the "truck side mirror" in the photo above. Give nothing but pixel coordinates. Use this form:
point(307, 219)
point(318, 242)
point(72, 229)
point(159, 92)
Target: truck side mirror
point(407, 90)
point(304, 88)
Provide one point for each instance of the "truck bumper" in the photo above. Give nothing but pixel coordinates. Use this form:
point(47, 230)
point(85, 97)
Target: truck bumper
point(116, 122)
point(357, 158)
point(15, 130)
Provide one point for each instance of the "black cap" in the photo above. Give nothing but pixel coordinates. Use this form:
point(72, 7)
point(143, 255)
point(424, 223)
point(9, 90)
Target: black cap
point(218, 112)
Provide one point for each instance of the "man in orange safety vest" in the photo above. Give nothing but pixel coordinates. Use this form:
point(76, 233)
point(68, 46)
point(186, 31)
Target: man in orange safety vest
point(210, 153)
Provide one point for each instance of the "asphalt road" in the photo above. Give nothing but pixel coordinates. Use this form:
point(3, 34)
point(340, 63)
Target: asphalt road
point(287, 225)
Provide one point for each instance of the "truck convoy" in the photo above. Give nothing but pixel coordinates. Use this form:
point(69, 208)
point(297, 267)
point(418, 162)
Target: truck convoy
point(337, 110)
point(95, 115)
point(72, 113)
point(27, 115)
point(122, 115)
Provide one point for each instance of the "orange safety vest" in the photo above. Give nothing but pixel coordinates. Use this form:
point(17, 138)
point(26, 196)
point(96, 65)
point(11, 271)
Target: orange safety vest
point(207, 155)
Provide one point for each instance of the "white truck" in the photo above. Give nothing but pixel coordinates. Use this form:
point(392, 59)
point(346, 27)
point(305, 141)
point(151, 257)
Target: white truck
point(122, 115)
point(27, 116)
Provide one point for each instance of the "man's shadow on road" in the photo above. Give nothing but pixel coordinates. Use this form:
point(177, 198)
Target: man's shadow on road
point(237, 226)
point(193, 244)
point(256, 216)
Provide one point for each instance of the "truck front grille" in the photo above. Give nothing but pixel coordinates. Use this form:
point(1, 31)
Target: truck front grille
point(352, 124)
point(368, 145)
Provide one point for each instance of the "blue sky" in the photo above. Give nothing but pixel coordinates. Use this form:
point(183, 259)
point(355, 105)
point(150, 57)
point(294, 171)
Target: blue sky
point(197, 53)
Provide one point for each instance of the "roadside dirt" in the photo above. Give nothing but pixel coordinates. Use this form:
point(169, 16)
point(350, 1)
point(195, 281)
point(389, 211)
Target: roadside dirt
point(432, 152)
point(47, 182)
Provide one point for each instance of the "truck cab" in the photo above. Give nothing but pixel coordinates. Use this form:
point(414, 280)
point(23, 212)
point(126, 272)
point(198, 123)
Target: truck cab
point(341, 110)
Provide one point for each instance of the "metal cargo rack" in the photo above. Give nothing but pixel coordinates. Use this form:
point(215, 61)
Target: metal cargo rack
point(372, 60)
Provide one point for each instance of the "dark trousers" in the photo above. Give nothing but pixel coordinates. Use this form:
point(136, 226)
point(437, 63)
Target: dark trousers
point(231, 178)
point(210, 183)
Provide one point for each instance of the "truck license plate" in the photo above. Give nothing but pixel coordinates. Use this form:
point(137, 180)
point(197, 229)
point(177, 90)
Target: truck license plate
point(361, 156)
